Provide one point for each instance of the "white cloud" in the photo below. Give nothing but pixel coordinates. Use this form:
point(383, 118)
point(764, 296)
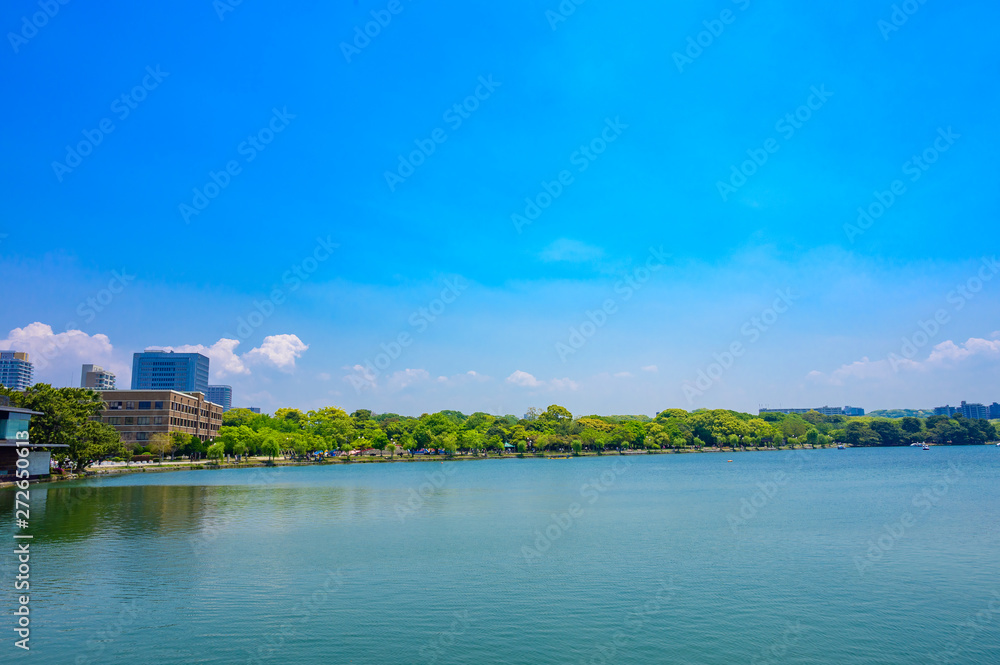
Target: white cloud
point(623, 375)
point(222, 356)
point(56, 355)
point(650, 368)
point(278, 350)
point(406, 378)
point(570, 250)
point(519, 378)
point(944, 356)
point(564, 384)
point(948, 353)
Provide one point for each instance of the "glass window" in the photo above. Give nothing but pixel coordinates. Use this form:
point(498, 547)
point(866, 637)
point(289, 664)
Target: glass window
point(157, 420)
point(129, 420)
point(142, 420)
point(157, 405)
point(145, 406)
point(129, 405)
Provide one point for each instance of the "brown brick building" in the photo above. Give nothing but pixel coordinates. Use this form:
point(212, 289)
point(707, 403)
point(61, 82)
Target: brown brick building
point(138, 414)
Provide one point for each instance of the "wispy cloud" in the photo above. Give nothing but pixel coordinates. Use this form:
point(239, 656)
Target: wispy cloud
point(572, 251)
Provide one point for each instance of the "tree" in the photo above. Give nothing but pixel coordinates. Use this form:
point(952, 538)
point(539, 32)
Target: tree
point(269, 445)
point(96, 441)
point(889, 432)
point(180, 441)
point(240, 449)
point(161, 444)
point(812, 436)
point(558, 417)
point(195, 447)
point(65, 412)
point(859, 433)
point(521, 447)
point(217, 451)
point(911, 425)
point(577, 446)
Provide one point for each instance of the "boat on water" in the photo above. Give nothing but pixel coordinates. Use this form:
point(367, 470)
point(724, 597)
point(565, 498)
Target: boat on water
point(841, 446)
point(559, 457)
point(926, 447)
point(917, 445)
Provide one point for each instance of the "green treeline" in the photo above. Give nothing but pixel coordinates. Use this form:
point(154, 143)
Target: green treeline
point(292, 431)
point(70, 416)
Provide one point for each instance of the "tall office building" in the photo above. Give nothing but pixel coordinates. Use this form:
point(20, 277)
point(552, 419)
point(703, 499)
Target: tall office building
point(16, 371)
point(946, 410)
point(96, 377)
point(221, 395)
point(975, 411)
point(994, 411)
point(166, 370)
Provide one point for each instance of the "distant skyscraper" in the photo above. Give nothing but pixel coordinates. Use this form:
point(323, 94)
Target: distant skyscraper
point(16, 371)
point(975, 411)
point(166, 370)
point(994, 410)
point(96, 377)
point(221, 395)
point(946, 410)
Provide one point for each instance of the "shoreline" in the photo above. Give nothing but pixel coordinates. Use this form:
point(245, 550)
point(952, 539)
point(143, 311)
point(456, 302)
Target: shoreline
point(92, 472)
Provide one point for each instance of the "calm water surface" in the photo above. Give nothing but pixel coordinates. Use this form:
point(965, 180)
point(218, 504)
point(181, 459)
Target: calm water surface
point(855, 556)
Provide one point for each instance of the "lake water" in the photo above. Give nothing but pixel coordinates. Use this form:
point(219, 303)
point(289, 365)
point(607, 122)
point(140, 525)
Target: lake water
point(828, 556)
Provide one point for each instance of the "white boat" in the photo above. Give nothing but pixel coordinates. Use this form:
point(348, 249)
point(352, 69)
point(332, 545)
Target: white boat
point(915, 445)
point(926, 447)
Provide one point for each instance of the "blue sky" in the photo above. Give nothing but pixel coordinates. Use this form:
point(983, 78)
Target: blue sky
point(113, 251)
